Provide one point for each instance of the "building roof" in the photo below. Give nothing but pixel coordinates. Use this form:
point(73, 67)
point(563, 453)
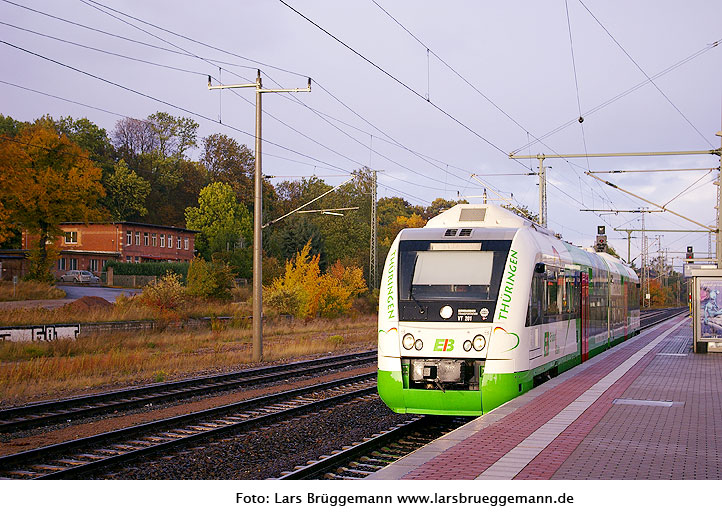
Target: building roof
point(143, 224)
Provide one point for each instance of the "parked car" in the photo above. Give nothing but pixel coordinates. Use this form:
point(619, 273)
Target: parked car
point(80, 277)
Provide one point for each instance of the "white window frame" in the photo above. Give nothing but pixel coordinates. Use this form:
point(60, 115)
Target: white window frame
point(146, 239)
point(154, 239)
point(71, 237)
point(185, 243)
point(137, 238)
point(162, 240)
point(128, 237)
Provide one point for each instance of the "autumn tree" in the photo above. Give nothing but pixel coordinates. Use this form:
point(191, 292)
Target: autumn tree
point(46, 180)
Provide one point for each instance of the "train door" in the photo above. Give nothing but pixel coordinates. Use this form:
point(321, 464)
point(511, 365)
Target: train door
point(584, 326)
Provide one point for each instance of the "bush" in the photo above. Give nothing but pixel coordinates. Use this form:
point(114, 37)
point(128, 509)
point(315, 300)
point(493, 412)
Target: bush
point(209, 280)
point(305, 293)
point(157, 269)
point(165, 294)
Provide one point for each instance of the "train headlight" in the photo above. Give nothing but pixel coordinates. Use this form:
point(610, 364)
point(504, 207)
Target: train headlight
point(418, 345)
point(408, 341)
point(479, 342)
point(467, 345)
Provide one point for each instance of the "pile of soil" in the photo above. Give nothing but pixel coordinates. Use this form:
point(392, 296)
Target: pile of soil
point(88, 303)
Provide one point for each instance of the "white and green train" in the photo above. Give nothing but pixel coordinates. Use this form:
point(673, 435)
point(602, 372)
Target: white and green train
point(481, 305)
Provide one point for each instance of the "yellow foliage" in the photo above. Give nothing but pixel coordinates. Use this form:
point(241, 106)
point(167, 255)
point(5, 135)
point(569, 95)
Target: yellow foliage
point(304, 292)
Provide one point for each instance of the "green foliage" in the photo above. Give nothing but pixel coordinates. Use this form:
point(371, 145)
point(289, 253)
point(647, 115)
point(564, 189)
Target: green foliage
point(209, 280)
point(297, 235)
point(228, 162)
point(157, 269)
point(220, 219)
point(127, 192)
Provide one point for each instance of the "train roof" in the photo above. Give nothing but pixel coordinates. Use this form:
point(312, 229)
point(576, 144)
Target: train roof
point(477, 216)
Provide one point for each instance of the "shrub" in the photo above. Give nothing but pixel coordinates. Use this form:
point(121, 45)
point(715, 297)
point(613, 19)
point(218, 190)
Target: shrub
point(305, 293)
point(165, 294)
point(209, 280)
point(157, 269)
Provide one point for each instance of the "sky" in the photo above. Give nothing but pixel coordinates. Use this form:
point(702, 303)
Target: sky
point(433, 95)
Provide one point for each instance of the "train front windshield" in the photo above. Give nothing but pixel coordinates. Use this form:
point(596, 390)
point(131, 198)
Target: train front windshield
point(445, 271)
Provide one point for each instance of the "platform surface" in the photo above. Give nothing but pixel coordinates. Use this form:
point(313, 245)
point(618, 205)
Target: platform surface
point(648, 408)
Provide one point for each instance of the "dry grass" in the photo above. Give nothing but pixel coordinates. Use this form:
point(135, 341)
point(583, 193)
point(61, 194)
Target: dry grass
point(39, 370)
point(25, 290)
point(122, 310)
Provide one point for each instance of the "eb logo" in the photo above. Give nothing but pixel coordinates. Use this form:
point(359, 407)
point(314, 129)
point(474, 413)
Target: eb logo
point(444, 345)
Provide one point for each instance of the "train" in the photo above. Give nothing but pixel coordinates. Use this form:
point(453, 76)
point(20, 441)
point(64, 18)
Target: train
point(481, 305)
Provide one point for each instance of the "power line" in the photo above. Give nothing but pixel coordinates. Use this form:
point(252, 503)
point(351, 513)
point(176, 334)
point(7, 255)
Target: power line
point(626, 92)
point(645, 73)
point(477, 90)
point(395, 79)
point(186, 52)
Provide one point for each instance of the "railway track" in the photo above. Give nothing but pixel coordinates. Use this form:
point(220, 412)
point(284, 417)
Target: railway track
point(359, 460)
point(363, 458)
point(72, 409)
point(72, 459)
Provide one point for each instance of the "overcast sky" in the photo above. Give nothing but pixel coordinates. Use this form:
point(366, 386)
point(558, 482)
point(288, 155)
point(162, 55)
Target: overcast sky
point(444, 91)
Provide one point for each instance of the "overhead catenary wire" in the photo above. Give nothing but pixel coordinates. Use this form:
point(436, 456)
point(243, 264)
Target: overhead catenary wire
point(593, 187)
point(89, 2)
point(645, 74)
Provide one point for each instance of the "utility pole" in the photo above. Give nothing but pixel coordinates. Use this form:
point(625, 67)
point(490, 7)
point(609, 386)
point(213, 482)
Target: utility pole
point(373, 244)
point(542, 193)
point(257, 354)
point(718, 237)
point(542, 179)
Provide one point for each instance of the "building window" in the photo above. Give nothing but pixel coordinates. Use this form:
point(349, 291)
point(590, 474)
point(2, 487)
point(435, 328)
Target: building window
point(129, 259)
point(154, 239)
point(145, 239)
point(93, 265)
point(179, 243)
point(185, 243)
point(128, 238)
point(103, 263)
point(71, 237)
point(170, 241)
point(137, 259)
point(73, 263)
point(62, 264)
point(162, 239)
point(137, 238)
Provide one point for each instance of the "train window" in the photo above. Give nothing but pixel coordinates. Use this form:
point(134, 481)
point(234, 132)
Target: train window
point(452, 274)
point(429, 271)
point(552, 300)
point(534, 314)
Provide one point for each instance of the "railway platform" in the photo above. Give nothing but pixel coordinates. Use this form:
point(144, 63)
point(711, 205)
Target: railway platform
point(648, 408)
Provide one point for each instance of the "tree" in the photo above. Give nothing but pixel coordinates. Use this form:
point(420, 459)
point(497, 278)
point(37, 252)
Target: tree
point(173, 135)
point(133, 138)
point(228, 162)
point(47, 179)
point(522, 211)
point(300, 233)
point(440, 205)
point(127, 192)
point(89, 137)
point(220, 218)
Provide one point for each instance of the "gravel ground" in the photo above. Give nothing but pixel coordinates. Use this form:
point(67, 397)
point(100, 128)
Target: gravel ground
point(269, 451)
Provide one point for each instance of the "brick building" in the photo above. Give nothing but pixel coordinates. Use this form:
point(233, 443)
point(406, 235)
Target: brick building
point(89, 246)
